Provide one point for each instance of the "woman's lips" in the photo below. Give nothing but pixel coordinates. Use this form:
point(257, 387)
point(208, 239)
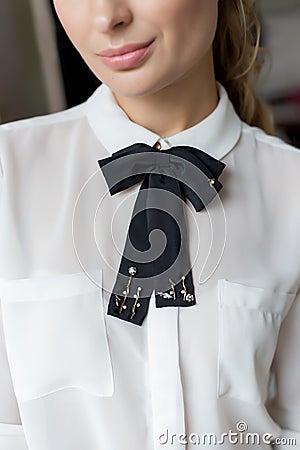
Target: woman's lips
point(126, 57)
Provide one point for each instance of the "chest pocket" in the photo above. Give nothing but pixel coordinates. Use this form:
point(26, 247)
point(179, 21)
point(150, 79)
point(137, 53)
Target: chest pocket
point(249, 323)
point(56, 335)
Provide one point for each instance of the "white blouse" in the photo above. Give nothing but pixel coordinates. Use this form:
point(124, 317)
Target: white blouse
point(218, 374)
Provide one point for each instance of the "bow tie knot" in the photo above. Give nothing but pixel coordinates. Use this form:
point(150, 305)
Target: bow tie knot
point(196, 171)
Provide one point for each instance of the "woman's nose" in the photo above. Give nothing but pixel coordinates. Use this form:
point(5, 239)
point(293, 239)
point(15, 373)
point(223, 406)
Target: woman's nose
point(110, 14)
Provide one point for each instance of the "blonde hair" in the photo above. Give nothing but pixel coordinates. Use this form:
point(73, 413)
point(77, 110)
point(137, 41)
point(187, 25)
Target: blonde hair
point(236, 57)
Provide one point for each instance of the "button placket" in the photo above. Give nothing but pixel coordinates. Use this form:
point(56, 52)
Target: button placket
point(164, 375)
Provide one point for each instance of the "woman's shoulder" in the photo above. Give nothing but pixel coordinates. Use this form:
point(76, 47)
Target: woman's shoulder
point(271, 156)
point(274, 163)
point(38, 123)
point(264, 142)
point(43, 123)
point(23, 140)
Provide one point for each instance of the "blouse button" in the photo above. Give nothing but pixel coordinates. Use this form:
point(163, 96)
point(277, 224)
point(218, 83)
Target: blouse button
point(157, 145)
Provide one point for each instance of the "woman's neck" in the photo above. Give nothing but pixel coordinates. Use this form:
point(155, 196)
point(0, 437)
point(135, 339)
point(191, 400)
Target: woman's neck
point(175, 107)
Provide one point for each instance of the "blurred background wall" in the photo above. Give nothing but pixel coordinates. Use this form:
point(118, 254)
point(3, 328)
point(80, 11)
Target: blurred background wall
point(280, 83)
point(30, 75)
point(41, 72)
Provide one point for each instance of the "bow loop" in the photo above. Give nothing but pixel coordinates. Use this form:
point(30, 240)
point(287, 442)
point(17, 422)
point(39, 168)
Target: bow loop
point(124, 168)
point(195, 170)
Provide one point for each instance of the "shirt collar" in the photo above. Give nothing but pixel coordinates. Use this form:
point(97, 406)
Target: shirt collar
point(216, 135)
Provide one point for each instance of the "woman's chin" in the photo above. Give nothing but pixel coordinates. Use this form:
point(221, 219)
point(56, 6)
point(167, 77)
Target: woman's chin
point(137, 87)
point(135, 83)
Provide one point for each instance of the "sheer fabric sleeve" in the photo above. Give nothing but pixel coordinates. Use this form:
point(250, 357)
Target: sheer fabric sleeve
point(284, 406)
point(12, 437)
point(11, 430)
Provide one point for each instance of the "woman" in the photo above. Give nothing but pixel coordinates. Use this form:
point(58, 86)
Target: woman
point(221, 371)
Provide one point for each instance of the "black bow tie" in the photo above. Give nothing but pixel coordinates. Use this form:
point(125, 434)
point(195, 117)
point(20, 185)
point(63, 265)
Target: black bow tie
point(156, 254)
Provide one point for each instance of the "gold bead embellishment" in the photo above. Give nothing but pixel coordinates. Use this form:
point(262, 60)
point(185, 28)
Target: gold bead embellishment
point(172, 291)
point(132, 271)
point(157, 146)
point(186, 296)
point(136, 302)
point(118, 300)
point(189, 297)
point(211, 181)
point(184, 290)
point(169, 295)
